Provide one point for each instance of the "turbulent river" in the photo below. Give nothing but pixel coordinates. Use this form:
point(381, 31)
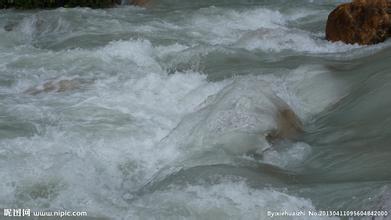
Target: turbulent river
point(163, 112)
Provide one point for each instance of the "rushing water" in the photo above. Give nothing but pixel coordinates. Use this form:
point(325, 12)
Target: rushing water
point(168, 109)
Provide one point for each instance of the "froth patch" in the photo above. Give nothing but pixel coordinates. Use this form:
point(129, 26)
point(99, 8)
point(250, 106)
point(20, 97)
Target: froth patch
point(288, 157)
point(225, 26)
point(280, 39)
point(120, 155)
point(227, 200)
point(141, 52)
point(39, 26)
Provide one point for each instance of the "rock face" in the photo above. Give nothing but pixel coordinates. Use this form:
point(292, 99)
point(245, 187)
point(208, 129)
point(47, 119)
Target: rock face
point(362, 21)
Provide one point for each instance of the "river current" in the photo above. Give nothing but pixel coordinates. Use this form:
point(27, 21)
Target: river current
point(163, 112)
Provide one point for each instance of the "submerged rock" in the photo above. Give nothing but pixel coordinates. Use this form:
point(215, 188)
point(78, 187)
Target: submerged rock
point(55, 86)
point(361, 21)
point(289, 126)
point(10, 26)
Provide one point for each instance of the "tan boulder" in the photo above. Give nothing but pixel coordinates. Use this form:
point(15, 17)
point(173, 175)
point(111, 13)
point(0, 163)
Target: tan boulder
point(289, 126)
point(361, 21)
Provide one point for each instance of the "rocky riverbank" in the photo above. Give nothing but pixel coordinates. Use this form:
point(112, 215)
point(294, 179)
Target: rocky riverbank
point(33, 4)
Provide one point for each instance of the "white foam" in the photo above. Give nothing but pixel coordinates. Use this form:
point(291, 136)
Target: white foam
point(229, 200)
point(288, 157)
point(108, 140)
point(95, 146)
point(43, 24)
point(141, 52)
point(220, 25)
point(92, 152)
point(280, 39)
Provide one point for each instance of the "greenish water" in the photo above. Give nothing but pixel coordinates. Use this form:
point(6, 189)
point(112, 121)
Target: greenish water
point(165, 111)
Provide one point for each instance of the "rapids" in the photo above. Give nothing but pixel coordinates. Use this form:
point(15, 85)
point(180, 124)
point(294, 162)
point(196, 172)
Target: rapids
point(169, 107)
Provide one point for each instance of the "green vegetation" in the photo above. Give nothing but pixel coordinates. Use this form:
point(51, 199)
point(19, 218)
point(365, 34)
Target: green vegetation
point(31, 4)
